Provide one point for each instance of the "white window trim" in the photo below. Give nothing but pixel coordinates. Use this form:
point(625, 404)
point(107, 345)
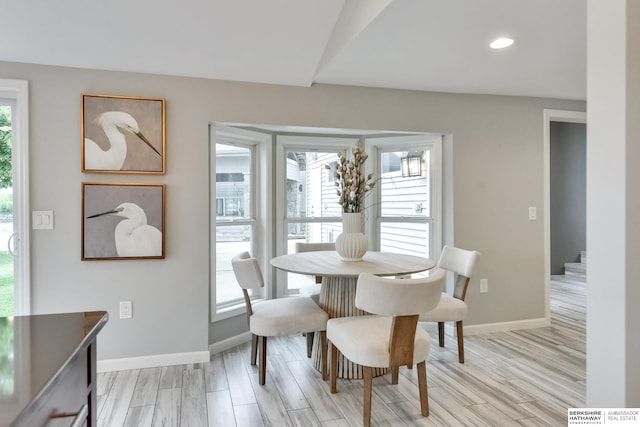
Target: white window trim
point(18, 90)
point(263, 232)
point(434, 141)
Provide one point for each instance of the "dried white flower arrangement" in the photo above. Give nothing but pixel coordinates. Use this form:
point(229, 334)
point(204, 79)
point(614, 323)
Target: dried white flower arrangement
point(351, 181)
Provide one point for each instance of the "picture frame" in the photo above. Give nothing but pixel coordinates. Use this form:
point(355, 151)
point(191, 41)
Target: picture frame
point(122, 134)
point(123, 221)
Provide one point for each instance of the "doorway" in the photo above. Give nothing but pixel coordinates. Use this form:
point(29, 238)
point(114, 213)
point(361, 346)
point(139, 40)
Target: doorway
point(568, 194)
point(551, 116)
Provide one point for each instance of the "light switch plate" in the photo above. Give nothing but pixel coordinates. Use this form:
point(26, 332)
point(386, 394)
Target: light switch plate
point(42, 220)
point(126, 310)
point(533, 214)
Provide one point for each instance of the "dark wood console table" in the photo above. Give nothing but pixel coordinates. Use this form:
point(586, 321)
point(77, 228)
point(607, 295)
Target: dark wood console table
point(48, 369)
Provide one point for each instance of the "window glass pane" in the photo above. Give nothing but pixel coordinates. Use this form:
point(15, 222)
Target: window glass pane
point(230, 241)
point(310, 193)
point(233, 182)
point(404, 184)
point(405, 237)
point(312, 232)
point(233, 204)
point(310, 185)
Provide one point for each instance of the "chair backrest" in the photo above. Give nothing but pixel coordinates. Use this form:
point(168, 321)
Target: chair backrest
point(312, 247)
point(247, 271)
point(399, 297)
point(248, 275)
point(462, 263)
point(403, 299)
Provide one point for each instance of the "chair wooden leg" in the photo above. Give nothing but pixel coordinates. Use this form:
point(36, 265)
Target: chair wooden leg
point(441, 334)
point(309, 343)
point(460, 341)
point(368, 389)
point(394, 375)
point(422, 387)
point(323, 344)
point(262, 369)
point(254, 349)
point(334, 368)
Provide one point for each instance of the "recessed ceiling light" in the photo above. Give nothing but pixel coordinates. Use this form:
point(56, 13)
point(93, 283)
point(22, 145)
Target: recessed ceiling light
point(501, 43)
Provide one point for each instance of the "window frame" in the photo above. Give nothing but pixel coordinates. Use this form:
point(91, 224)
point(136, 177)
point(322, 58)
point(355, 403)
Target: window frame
point(260, 216)
point(306, 143)
point(423, 141)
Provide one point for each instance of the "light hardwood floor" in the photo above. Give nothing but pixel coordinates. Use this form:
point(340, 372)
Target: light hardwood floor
point(527, 378)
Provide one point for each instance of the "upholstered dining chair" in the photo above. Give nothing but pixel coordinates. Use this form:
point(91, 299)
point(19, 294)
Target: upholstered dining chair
point(453, 308)
point(390, 337)
point(276, 317)
point(313, 290)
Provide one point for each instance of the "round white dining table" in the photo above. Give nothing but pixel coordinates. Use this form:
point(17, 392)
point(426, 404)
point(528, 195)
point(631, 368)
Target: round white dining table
point(339, 280)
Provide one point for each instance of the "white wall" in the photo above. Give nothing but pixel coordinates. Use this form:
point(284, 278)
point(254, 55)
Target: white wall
point(498, 173)
point(613, 203)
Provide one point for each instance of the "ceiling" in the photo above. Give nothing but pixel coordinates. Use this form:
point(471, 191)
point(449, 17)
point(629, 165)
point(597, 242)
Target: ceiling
point(430, 45)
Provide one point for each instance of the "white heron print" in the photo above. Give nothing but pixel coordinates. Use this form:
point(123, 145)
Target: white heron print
point(113, 123)
point(122, 134)
point(123, 221)
point(133, 236)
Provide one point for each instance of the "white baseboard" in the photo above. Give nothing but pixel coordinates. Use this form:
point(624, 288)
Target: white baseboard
point(506, 326)
point(229, 343)
point(204, 356)
point(152, 361)
point(487, 328)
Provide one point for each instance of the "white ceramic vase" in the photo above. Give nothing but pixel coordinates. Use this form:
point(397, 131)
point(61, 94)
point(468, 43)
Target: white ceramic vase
point(351, 244)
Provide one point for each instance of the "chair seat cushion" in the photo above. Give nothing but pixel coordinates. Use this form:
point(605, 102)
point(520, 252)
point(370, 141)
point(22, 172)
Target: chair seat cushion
point(365, 340)
point(449, 309)
point(287, 316)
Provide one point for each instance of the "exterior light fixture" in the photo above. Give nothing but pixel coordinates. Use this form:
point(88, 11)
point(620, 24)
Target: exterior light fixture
point(411, 164)
point(501, 43)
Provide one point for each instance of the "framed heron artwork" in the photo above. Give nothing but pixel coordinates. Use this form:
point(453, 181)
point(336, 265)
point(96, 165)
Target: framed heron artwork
point(123, 134)
point(122, 221)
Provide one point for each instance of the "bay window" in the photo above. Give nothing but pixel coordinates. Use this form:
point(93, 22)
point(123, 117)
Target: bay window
point(272, 188)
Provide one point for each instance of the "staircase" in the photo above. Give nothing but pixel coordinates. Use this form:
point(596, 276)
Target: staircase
point(577, 270)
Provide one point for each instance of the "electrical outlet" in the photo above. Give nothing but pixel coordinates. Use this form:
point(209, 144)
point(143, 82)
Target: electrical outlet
point(126, 311)
point(484, 286)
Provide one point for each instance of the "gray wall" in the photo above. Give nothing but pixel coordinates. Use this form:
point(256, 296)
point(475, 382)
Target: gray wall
point(568, 168)
point(497, 148)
